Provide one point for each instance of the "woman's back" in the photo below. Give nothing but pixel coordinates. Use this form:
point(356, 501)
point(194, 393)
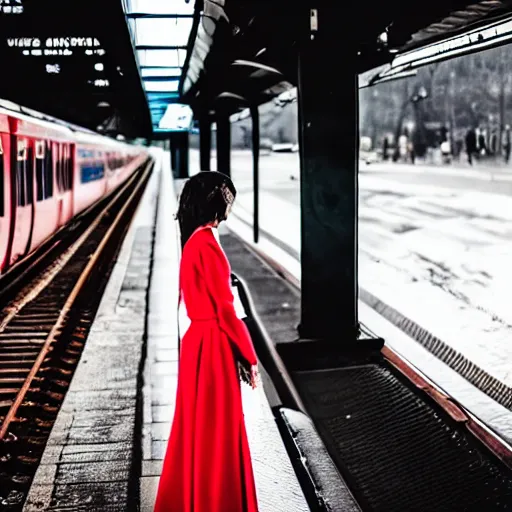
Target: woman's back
point(194, 292)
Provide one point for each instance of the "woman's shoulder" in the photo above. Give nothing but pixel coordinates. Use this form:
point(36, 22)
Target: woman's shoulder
point(201, 238)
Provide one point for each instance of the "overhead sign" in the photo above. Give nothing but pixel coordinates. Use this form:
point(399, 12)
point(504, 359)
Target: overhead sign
point(11, 7)
point(56, 45)
point(100, 82)
point(52, 68)
point(177, 117)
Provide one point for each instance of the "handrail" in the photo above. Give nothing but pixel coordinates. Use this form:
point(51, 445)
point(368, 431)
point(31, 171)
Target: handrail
point(280, 376)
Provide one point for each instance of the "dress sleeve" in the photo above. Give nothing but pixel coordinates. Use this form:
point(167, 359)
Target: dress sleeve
point(217, 275)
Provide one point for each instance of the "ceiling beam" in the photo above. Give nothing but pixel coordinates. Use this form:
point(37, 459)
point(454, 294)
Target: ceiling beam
point(161, 78)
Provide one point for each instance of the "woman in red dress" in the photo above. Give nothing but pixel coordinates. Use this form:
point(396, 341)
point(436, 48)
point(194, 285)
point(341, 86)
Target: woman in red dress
point(207, 466)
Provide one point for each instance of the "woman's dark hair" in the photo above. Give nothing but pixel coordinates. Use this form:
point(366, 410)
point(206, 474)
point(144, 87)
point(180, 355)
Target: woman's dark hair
point(203, 200)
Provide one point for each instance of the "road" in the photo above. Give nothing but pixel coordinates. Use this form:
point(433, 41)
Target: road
point(435, 243)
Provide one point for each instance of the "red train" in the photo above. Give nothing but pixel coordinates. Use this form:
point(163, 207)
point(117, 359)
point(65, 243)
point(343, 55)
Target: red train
point(49, 172)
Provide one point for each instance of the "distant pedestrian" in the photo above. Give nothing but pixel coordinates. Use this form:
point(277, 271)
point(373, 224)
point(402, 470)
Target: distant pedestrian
point(412, 154)
point(482, 145)
point(385, 148)
point(446, 151)
point(506, 140)
point(471, 147)
point(494, 144)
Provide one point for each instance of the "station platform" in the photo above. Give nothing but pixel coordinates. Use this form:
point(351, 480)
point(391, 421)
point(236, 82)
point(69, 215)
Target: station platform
point(106, 448)
point(107, 445)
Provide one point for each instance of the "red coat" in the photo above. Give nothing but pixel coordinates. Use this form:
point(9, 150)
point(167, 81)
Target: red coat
point(207, 467)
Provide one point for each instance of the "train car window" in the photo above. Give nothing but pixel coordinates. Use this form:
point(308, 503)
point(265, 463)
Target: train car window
point(64, 167)
point(40, 172)
point(70, 170)
point(2, 177)
point(48, 167)
point(62, 163)
point(29, 179)
point(21, 183)
point(91, 171)
point(58, 168)
point(21, 165)
point(65, 170)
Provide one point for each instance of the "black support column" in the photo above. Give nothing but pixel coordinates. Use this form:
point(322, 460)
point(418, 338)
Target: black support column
point(179, 154)
point(328, 131)
point(205, 143)
point(256, 170)
point(224, 145)
point(172, 151)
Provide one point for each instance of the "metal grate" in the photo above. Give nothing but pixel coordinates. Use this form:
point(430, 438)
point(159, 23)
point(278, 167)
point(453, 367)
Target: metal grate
point(398, 452)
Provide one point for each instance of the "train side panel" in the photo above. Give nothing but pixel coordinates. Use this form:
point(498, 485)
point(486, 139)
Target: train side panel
point(5, 192)
point(46, 207)
point(40, 168)
point(63, 170)
point(90, 177)
point(123, 166)
point(48, 174)
point(22, 169)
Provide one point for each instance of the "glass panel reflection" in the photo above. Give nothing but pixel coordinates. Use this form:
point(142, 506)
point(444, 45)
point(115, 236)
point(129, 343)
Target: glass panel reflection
point(162, 31)
point(162, 86)
point(159, 58)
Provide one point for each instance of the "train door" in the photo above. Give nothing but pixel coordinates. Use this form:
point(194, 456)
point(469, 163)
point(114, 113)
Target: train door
point(45, 205)
point(63, 173)
point(57, 159)
point(22, 168)
point(71, 177)
point(5, 201)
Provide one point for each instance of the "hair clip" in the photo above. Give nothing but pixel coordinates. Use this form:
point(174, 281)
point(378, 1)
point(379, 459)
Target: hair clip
point(227, 194)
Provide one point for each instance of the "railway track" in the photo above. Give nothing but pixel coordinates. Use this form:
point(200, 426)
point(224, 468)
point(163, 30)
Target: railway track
point(42, 333)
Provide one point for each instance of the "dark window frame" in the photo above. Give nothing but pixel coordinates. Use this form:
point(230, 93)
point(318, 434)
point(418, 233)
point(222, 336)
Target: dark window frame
point(39, 168)
point(2, 179)
point(49, 169)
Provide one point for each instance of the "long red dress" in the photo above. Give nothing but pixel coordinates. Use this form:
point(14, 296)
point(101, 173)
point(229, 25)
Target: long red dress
point(207, 466)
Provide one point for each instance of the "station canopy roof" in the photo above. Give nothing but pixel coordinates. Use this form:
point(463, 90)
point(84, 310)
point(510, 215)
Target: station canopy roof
point(160, 31)
point(126, 66)
point(247, 53)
